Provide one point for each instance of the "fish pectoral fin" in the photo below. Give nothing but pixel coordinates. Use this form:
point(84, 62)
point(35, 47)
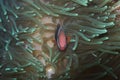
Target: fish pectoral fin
point(68, 39)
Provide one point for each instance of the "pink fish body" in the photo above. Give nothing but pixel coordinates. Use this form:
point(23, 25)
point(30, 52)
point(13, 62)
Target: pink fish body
point(60, 38)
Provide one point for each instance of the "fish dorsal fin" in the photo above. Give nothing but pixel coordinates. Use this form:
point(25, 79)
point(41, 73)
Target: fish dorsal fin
point(56, 32)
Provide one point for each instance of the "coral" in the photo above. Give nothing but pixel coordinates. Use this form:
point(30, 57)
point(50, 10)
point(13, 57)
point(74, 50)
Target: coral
point(27, 29)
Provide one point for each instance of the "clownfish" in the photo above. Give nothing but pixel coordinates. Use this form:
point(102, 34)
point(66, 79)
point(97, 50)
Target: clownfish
point(60, 38)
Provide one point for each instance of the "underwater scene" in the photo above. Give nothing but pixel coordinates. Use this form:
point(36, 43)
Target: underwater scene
point(59, 40)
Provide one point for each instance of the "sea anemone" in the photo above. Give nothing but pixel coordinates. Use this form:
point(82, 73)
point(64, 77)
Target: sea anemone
point(28, 49)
